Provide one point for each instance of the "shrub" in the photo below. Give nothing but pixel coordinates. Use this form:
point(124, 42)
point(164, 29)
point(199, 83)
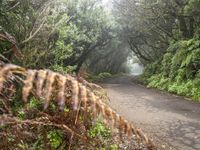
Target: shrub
point(99, 129)
point(100, 76)
point(178, 71)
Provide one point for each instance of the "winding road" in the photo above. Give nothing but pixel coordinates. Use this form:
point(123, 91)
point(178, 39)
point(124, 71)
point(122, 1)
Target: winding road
point(171, 120)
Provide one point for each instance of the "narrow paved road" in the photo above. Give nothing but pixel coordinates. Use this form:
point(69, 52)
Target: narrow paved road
point(168, 118)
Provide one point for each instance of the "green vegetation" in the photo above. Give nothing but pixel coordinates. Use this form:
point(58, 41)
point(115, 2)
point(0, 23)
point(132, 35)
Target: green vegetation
point(64, 35)
point(100, 77)
point(99, 129)
point(82, 38)
point(165, 36)
point(55, 138)
point(178, 72)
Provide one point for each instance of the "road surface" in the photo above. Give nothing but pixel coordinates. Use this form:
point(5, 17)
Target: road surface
point(170, 119)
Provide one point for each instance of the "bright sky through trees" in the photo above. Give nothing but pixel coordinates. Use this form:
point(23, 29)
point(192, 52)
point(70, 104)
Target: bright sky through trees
point(107, 3)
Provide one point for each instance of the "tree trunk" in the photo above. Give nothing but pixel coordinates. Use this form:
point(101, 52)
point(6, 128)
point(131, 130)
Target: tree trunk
point(191, 27)
point(183, 27)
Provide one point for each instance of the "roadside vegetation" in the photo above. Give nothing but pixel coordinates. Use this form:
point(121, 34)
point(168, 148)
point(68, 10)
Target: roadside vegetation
point(82, 39)
point(100, 77)
point(57, 112)
point(61, 110)
point(178, 72)
point(64, 36)
point(165, 36)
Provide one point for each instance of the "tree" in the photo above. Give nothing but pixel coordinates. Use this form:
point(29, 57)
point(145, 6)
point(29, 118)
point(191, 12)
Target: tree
point(150, 25)
point(56, 33)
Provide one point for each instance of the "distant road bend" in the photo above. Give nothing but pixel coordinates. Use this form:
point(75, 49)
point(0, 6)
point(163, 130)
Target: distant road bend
point(168, 118)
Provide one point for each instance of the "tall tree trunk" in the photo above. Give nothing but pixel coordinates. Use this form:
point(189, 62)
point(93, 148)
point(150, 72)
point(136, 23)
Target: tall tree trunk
point(191, 26)
point(183, 27)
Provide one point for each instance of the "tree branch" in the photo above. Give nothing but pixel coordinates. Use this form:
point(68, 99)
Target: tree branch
point(34, 34)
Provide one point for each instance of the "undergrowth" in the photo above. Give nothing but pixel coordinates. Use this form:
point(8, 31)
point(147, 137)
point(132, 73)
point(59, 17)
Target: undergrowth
point(42, 109)
point(100, 77)
point(179, 70)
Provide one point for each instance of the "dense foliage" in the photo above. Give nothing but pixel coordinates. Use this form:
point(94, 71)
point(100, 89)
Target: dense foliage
point(81, 36)
point(59, 111)
point(165, 36)
point(63, 35)
point(149, 26)
point(178, 71)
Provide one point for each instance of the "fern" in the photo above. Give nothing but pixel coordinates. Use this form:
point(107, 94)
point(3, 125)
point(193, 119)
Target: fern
point(67, 91)
point(178, 70)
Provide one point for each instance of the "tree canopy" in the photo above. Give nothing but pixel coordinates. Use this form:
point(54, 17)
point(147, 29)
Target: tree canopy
point(64, 41)
point(151, 25)
point(62, 34)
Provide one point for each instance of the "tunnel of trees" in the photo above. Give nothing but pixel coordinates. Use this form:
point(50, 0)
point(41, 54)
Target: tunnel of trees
point(69, 36)
point(86, 37)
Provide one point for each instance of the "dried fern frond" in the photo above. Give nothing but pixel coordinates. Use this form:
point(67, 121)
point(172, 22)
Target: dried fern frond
point(51, 78)
point(61, 93)
point(6, 72)
point(68, 90)
point(7, 120)
point(41, 77)
point(28, 84)
point(75, 93)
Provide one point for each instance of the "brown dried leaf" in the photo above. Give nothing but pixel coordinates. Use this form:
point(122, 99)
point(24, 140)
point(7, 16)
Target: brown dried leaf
point(41, 77)
point(75, 93)
point(28, 84)
point(49, 87)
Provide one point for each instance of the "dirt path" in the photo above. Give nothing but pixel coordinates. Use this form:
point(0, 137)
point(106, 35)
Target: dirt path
point(165, 117)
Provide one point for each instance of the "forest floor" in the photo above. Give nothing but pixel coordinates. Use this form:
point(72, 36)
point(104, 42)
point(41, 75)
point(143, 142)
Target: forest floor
point(172, 121)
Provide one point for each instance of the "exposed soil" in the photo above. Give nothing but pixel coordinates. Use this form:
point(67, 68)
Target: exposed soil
point(172, 121)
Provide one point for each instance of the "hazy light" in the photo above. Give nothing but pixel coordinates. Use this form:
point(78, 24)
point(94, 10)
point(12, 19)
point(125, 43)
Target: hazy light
point(107, 3)
point(136, 69)
point(134, 66)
